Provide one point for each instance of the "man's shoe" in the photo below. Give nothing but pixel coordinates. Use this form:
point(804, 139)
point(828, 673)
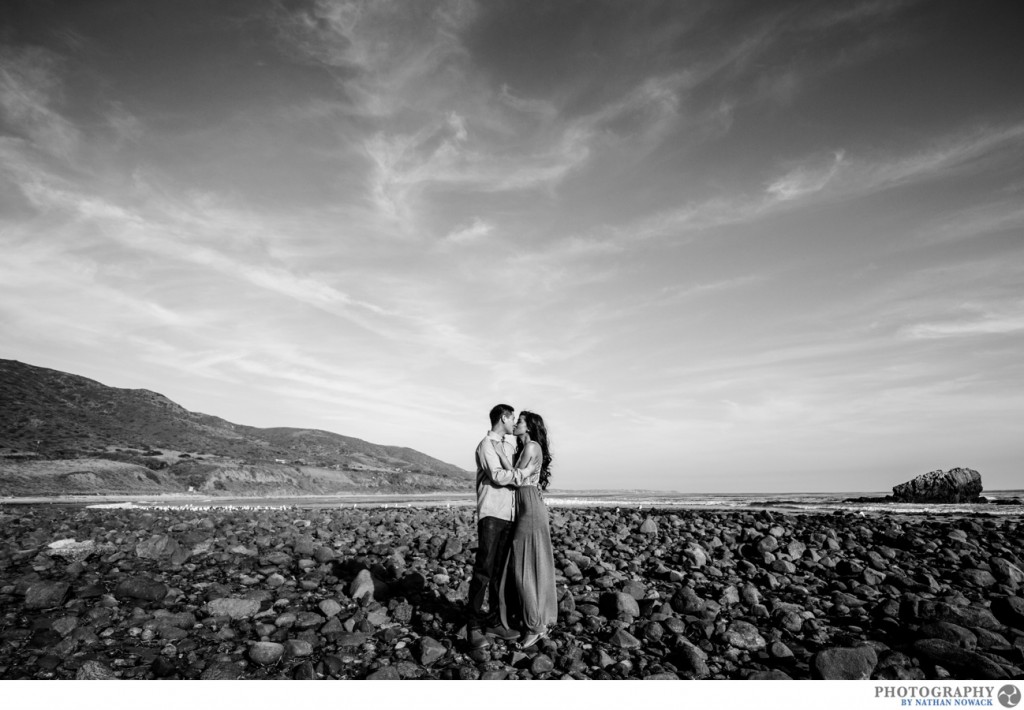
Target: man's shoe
point(477, 639)
point(502, 633)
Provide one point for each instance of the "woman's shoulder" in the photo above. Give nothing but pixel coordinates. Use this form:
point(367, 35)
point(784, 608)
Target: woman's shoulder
point(532, 447)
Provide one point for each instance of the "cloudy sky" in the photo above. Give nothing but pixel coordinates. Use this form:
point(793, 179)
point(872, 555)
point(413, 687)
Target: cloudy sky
point(720, 247)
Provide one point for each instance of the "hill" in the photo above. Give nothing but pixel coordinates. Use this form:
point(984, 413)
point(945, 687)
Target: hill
point(65, 434)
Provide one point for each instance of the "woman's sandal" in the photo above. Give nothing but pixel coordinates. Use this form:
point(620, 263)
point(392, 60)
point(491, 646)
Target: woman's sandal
point(531, 640)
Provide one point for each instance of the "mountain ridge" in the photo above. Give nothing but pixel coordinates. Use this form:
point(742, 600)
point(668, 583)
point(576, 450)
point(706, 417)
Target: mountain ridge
point(48, 415)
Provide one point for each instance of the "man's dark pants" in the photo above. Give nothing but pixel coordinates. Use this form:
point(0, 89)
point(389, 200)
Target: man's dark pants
point(494, 541)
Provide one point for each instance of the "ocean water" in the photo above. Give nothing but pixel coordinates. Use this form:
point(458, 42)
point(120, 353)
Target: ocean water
point(631, 499)
point(790, 502)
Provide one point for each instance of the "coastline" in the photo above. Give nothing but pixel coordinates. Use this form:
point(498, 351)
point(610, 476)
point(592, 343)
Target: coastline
point(1006, 503)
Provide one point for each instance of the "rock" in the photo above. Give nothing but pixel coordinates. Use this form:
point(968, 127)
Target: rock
point(649, 526)
point(845, 663)
point(44, 595)
point(304, 671)
point(949, 632)
point(768, 675)
point(330, 608)
point(686, 601)
point(663, 675)
point(65, 625)
point(266, 652)
point(1010, 611)
point(958, 485)
point(690, 660)
point(94, 670)
point(616, 605)
point(1007, 572)
point(222, 671)
point(362, 585)
point(156, 547)
point(978, 577)
point(142, 588)
point(71, 550)
point(297, 648)
point(233, 607)
point(323, 554)
point(635, 589)
point(452, 548)
point(696, 555)
point(744, 635)
point(385, 673)
point(353, 639)
point(541, 664)
point(623, 639)
point(163, 667)
point(962, 663)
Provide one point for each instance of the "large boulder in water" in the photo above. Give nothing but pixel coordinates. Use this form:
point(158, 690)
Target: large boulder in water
point(957, 485)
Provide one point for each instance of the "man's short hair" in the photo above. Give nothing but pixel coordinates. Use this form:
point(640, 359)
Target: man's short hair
point(499, 411)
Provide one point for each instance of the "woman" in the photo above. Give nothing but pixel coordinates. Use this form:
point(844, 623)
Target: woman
point(532, 563)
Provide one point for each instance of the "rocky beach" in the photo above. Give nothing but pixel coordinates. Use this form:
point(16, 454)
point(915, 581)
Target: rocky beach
point(377, 593)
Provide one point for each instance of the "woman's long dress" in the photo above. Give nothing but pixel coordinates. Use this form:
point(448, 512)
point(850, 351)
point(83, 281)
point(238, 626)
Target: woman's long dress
point(531, 566)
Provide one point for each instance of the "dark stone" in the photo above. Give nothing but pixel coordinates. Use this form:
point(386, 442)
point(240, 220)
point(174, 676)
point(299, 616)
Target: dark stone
point(957, 485)
point(621, 638)
point(430, 650)
point(541, 664)
point(385, 673)
point(949, 632)
point(163, 667)
point(1010, 611)
point(744, 635)
point(44, 595)
point(960, 662)
point(304, 671)
point(845, 663)
point(95, 670)
point(768, 675)
point(142, 588)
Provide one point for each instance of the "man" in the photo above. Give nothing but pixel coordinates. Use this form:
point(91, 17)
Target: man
point(495, 510)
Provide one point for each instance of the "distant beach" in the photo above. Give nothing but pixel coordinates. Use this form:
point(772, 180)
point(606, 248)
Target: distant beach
point(1001, 503)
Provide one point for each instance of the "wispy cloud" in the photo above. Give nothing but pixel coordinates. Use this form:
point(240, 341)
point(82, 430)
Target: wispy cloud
point(844, 177)
point(30, 86)
point(990, 324)
point(805, 180)
point(473, 232)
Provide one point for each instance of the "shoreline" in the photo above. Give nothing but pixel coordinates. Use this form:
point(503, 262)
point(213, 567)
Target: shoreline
point(810, 504)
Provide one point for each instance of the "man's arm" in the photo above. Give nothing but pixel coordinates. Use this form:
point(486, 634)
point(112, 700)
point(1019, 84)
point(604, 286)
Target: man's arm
point(501, 476)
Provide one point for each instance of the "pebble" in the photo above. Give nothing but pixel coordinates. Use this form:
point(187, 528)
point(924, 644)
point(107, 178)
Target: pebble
point(143, 588)
point(266, 652)
point(45, 595)
point(359, 593)
point(431, 650)
point(94, 670)
point(233, 607)
point(845, 663)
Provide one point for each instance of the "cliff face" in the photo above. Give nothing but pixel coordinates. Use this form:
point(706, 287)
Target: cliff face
point(957, 485)
point(50, 416)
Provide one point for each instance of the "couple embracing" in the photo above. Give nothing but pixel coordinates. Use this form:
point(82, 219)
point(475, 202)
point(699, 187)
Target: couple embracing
point(514, 569)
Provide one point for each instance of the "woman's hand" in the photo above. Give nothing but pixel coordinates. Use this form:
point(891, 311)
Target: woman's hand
point(505, 463)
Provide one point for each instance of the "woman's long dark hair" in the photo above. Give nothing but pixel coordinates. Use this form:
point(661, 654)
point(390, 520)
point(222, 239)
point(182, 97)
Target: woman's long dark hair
point(539, 433)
